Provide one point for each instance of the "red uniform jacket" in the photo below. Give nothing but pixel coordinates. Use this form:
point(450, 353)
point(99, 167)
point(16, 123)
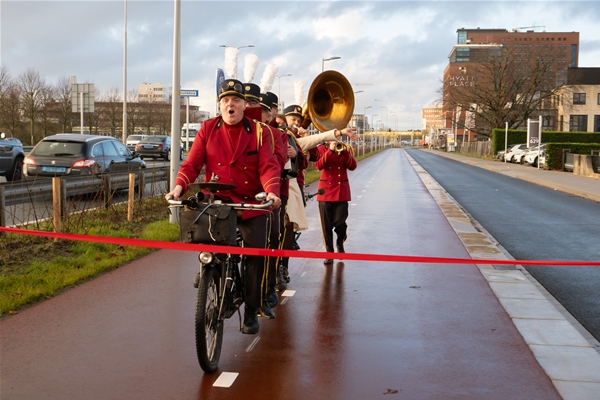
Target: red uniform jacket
point(334, 174)
point(252, 167)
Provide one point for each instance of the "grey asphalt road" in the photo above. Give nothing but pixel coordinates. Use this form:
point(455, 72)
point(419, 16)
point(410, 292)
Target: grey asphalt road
point(532, 223)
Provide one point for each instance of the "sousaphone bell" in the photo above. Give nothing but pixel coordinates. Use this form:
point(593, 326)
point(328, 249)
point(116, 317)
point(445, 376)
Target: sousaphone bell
point(330, 102)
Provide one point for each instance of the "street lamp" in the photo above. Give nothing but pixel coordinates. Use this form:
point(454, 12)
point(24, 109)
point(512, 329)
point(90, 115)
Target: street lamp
point(238, 47)
point(364, 124)
point(279, 92)
point(328, 59)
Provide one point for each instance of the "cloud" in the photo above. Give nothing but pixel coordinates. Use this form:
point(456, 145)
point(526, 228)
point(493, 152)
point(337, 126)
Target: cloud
point(399, 47)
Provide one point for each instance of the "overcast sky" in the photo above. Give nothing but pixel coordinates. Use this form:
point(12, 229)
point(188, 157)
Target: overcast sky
point(394, 51)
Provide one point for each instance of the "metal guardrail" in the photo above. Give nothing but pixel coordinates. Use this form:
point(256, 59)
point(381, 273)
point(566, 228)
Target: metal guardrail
point(41, 188)
point(27, 149)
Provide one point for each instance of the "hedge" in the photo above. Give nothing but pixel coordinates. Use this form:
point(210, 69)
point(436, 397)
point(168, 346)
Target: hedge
point(556, 141)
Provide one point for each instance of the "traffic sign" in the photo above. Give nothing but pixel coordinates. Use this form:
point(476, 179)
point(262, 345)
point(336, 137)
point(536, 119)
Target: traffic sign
point(188, 93)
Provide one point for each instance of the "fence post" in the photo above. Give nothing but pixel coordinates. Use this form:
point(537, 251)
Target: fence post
point(56, 204)
point(107, 190)
point(131, 197)
point(63, 198)
point(141, 184)
point(2, 207)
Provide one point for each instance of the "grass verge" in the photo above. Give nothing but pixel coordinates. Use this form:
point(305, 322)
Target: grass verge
point(37, 268)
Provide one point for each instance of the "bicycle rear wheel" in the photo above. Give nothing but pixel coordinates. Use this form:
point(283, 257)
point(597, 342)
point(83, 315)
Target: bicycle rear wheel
point(209, 328)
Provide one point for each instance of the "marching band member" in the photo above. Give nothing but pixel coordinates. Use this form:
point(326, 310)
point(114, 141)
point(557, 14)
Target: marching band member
point(237, 150)
point(335, 160)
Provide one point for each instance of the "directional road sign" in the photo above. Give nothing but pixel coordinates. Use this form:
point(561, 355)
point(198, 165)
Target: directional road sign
point(188, 93)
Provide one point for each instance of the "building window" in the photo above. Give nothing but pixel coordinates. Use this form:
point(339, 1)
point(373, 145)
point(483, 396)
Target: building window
point(573, 55)
point(578, 98)
point(599, 99)
point(596, 123)
point(462, 55)
point(578, 123)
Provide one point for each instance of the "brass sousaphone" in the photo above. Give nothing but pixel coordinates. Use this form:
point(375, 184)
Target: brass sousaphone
point(330, 102)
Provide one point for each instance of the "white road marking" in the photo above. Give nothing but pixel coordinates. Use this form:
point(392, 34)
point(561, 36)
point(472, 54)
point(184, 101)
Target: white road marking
point(251, 346)
point(303, 274)
point(226, 379)
point(288, 293)
point(284, 300)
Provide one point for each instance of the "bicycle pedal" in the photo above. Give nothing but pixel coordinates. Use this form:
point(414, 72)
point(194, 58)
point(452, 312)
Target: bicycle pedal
point(197, 281)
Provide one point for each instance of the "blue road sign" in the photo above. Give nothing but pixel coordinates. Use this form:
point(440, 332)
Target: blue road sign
point(220, 79)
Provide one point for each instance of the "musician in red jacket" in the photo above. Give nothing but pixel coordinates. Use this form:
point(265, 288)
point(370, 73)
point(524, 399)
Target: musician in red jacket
point(335, 160)
point(239, 151)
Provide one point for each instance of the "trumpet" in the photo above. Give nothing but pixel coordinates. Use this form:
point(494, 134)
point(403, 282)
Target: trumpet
point(339, 147)
point(298, 130)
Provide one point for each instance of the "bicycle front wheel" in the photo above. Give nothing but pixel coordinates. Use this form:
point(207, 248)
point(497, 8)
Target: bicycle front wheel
point(209, 328)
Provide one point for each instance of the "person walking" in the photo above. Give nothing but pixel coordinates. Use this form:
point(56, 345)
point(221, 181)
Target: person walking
point(335, 160)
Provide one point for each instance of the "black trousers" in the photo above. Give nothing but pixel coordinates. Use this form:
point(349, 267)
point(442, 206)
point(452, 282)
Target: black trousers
point(276, 226)
point(333, 218)
point(254, 233)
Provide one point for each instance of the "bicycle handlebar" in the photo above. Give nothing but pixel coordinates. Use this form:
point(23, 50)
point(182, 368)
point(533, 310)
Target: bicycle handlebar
point(237, 206)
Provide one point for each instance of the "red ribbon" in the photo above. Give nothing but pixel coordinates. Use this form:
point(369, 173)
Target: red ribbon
point(291, 253)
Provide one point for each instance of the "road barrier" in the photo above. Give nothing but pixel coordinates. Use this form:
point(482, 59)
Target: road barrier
point(32, 191)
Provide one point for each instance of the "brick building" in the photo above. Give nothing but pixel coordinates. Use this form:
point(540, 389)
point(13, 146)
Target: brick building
point(559, 50)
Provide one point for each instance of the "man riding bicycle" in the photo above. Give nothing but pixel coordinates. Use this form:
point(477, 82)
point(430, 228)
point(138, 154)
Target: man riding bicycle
point(240, 152)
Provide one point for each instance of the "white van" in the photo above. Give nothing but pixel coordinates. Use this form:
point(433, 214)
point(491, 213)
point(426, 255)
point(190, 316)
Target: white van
point(188, 134)
point(132, 140)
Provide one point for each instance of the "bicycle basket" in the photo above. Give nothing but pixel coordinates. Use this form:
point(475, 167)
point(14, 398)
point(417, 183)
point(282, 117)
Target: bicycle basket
point(210, 224)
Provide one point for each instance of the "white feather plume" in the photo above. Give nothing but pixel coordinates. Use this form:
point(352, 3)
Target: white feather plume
point(251, 62)
point(231, 56)
point(266, 83)
point(298, 92)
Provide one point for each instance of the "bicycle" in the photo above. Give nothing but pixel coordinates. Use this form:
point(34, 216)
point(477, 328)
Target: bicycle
point(219, 282)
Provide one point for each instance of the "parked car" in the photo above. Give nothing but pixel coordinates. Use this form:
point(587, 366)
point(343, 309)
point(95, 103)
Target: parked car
point(156, 146)
point(132, 140)
point(76, 154)
point(512, 150)
point(11, 158)
point(531, 157)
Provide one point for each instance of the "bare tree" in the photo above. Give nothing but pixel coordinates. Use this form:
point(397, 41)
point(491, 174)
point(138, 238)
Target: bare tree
point(163, 119)
point(11, 113)
point(111, 111)
point(500, 88)
point(133, 112)
point(148, 110)
point(62, 92)
point(45, 114)
point(6, 88)
point(30, 83)
point(92, 119)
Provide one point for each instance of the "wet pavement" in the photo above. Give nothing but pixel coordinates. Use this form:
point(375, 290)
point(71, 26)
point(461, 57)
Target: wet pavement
point(353, 330)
